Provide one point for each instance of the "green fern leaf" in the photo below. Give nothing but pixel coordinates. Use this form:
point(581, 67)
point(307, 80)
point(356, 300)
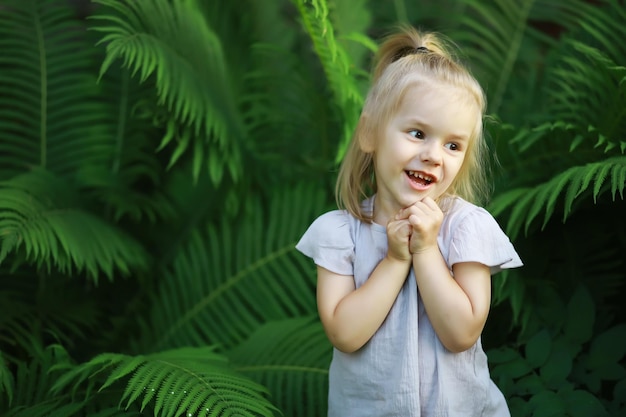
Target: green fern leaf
point(27, 310)
point(618, 179)
point(526, 203)
point(588, 73)
point(172, 43)
point(291, 358)
point(600, 176)
point(228, 280)
point(274, 110)
point(71, 125)
point(6, 380)
point(351, 20)
point(46, 113)
point(504, 200)
point(33, 379)
point(41, 222)
point(494, 47)
point(127, 184)
point(186, 381)
point(338, 67)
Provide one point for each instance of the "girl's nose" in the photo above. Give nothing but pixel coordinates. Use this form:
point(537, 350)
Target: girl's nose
point(431, 152)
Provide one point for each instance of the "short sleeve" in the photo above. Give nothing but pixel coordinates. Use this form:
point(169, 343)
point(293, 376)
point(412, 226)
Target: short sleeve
point(329, 243)
point(478, 238)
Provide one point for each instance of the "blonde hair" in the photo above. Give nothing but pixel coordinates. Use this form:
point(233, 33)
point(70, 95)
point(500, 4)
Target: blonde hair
point(404, 59)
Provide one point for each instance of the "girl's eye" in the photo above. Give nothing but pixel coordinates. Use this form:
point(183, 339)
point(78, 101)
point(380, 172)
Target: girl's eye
point(418, 134)
point(452, 146)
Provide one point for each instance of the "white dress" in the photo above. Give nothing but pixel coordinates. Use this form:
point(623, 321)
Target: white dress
point(404, 370)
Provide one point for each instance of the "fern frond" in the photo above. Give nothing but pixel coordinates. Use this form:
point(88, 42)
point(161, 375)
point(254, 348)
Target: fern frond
point(33, 379)
point(120, 196)
point(126, 184)
point(49, 119)
point(568, 134)
point(171, 42)
point(589, 80)
point(186, 381)
point(527, 203)
point(351, 20)
point(41, 222)
point(17, 326)
point(279, 99)
point(110, 412)
point(47, 408)
point(600, 26)
point(228, 280)
point(508, 42)
point(33, 397)
point(31, 316)
point(340, 71)
point(291, 358)
point(6, 380)
point(493, 36)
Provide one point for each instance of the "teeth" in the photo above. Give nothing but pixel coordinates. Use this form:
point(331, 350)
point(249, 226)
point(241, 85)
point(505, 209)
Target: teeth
point(421, 176)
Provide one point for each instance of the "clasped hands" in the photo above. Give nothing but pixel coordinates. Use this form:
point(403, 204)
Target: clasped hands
point(414, 230)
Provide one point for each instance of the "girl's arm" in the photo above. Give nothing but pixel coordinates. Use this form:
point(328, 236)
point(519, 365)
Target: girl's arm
point(456, 306)
point(351, 315)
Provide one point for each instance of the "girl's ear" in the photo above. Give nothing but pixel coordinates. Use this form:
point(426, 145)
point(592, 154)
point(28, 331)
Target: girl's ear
point(365, 136)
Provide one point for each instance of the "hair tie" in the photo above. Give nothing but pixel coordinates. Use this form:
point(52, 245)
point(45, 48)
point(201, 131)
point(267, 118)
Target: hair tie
point(409, 50)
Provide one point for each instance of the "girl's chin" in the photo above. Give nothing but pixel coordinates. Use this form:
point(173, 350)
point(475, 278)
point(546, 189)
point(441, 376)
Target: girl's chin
point(409, 200)
point(404, 202)
point(395, 203)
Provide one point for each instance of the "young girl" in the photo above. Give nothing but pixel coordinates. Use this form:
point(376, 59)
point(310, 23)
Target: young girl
point(404, 269)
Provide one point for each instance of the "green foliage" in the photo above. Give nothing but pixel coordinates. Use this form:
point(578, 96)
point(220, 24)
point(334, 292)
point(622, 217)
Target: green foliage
point(42, 223)
point(50, 119)
point(291, 358)
point(241, 280)
point(6, 380)
point(527, 202)
point(180, 148)
point(340, 71)
point(559, 370)
point(189, 381)
point(172, 42)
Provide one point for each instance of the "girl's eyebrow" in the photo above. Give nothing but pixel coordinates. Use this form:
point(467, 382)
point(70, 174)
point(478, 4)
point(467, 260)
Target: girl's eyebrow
point(417, 122)
point(463, 138)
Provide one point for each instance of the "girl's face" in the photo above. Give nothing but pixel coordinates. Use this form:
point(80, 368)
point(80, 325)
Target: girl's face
point(422, 147)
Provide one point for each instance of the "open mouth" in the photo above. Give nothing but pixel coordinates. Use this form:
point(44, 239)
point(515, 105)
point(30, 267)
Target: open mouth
point(420, 177)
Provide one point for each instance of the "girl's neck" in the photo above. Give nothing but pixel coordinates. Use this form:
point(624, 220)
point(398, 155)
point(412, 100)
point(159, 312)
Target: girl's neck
point(381, 212)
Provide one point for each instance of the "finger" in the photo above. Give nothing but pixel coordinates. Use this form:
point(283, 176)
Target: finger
point(424, 216)
point(408, 211)
point(403, 214)
point(419, 220)
point(431, 204)
point(403, 228)
point(419, 209)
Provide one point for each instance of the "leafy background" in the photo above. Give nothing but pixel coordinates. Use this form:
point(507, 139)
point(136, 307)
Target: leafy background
point(159, 159)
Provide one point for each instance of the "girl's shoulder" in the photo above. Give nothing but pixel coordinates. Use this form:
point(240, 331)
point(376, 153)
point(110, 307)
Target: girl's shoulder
point(339, 225)
point(469, 233)
point(332, 229)
point(329, 242)
point(331, 223)
point(458, 210)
